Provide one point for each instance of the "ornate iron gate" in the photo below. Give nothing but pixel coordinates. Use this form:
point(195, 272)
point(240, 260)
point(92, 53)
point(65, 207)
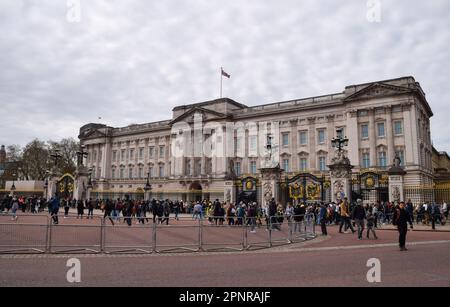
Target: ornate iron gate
point(371, 187)
point(65, 186)
point(247, 190)
point(307, 188)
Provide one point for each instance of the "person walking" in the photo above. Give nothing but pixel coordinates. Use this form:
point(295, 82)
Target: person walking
point(176, 209)
point(345, 216)
point(371, 222)
point(251, 215)
point(90, 207)
point(66, 208)
point(55, 204)
point(109, 207)
point(401, 219)
point(80, 209)
point(14, 208)
point(166, 212)
point(359, 215)
point(323, 219)
point(435, 215)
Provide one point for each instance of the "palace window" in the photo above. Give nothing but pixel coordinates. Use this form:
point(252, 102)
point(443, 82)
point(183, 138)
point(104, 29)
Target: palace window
point(364, 131)
point(253, 167)
point(322, 164)
point(151, 172)
point(365, 160)
point(151, 152)
point(130, 173)
point(161, 151)
point(286, 165)
point(140, 172)
point(303, 138)
point(237, 168)
point(398, 127)
point(122, 173)
point(321, 136)
point(253, 143)
point(114, 156)
point(401, 155)
point(382, 159)
point(141, 153)
point(380, 130)
point(303, 164)
point(113, 173)
point(285, 139)
point(131, 154)
point(122, 155)
point(161, 170)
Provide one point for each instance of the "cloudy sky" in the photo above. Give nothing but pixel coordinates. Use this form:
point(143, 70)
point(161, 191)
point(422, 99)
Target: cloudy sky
point(132, 61)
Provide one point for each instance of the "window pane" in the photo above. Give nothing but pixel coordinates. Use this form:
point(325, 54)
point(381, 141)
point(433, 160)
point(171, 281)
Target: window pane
point(398, 128)
point(321, 136)
point(303, 138)
point(364, 131)
point(286, 165)
point(253, 143)
point(253, 167)
point(303, 164)
point(285, 139)
point(380, 128)
point(237, 168)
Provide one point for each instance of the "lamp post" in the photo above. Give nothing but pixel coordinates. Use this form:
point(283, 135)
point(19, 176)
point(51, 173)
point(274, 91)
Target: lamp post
point(56, 156)
point(81, 154)
point(148, 186)
point(340, 141)
point(13, 187)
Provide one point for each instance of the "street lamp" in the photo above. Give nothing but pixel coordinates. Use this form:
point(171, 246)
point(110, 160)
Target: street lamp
point(148, 186)
point(340, 141)
point(81, 154)
point(90, 179)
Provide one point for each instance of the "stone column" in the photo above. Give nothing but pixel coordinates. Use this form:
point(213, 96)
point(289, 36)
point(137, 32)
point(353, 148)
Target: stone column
point(229, 195)
point(396, 174)
point(390, 135)
point(52, 184)
point(81, 183)
point(341, 178)
point(270, 179)
point(312, 143)
point(372, 138)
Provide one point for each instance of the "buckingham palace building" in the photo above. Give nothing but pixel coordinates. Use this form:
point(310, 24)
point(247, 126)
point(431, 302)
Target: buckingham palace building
point(208, 147)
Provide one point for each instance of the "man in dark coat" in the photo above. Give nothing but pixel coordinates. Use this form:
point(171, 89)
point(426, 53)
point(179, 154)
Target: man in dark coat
point(401, 219)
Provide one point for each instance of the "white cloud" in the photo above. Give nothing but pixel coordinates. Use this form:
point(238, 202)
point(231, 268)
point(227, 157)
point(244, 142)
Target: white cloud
point(133, 61)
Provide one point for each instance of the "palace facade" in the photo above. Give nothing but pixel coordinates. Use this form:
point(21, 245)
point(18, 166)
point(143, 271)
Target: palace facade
point(381, 120)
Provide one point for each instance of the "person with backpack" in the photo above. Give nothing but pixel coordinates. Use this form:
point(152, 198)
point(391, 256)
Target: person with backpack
point(401, 219)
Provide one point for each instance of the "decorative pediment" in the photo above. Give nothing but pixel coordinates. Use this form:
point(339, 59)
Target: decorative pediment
point(378, 90)
point(92, 134)
point(205, 114)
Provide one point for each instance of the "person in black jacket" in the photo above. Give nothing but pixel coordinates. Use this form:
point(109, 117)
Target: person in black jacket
point(401, 219)
point(359, 215)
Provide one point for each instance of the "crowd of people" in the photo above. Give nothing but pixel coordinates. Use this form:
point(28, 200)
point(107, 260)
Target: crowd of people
point(343, 213)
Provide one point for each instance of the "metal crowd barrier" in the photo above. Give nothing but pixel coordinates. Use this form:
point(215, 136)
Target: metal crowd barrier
point(36, 233)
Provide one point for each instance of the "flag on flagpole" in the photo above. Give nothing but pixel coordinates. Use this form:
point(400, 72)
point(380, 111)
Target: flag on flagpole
point(225, 74)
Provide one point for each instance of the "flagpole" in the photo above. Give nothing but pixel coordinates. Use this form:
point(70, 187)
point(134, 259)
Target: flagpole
point(221, 81)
